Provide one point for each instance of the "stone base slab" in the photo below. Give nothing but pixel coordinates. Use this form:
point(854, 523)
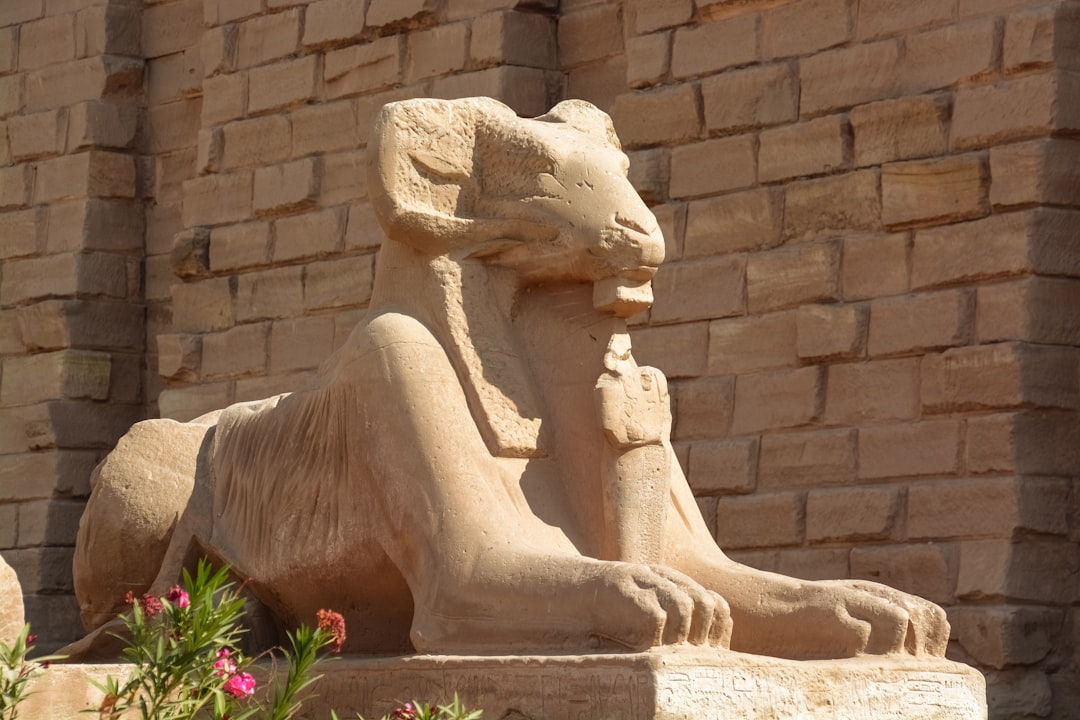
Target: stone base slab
point(660, 685)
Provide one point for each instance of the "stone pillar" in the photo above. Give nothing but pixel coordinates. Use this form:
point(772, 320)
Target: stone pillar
point(71, 316)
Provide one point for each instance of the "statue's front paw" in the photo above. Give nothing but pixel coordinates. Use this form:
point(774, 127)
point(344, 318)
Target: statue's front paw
point(639, 607)
point(928, 627)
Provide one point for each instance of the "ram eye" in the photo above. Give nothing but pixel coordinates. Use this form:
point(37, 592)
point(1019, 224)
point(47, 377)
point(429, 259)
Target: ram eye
point(550, 185)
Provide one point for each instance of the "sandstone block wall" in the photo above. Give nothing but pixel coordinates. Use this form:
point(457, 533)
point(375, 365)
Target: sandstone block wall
point(868, 314)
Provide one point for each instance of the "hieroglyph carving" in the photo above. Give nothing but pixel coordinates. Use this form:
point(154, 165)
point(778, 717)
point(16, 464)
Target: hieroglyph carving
point(483, 467)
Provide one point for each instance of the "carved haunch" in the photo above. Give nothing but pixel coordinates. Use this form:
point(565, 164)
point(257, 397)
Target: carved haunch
point(482, 467)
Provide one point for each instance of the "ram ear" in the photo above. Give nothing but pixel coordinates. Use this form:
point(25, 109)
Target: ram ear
point(421, 175)
point(585, 117)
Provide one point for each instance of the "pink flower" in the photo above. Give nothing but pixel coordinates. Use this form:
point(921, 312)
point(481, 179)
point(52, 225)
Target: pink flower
point(30, 640)
point(333, 623)
point(150, 605)
point(405, 712)
point(240, 685)
point(224, 664)
point(178, 597)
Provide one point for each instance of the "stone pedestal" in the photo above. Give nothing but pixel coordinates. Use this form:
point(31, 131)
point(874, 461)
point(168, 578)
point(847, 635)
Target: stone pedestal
point(665, 684)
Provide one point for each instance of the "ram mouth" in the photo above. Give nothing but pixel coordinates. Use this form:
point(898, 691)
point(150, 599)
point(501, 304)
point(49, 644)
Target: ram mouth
point(624, 296)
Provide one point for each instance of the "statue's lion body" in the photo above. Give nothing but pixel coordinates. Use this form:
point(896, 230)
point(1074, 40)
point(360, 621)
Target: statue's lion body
point(482, 466)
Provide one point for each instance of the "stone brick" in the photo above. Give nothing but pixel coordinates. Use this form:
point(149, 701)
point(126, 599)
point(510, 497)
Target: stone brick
point(671, 217)
point(217, 199)
point(42, 569)
point(713, 166)
point(1004, 375)
point(814, 563)
point(872, 391)
point(172, 125)
point(23, 231)
point(241, 350)
point(34, 475)
point(80, 80)
point(16, 185)
point(523, 89)
point(723, 467)
point(805, 27)
point(809, 148)
point(287, 187)
point(344, 178)
point(458, 9)
point(793, 276)
point(72, 374)
point(835, 332)
point(657, 116)
point(90, 174)
point(301, 343)
point(924, 569)
point(745, 344)
point(678, 350)
point(202, 306)
point(14, 13)
point(851, 514)
point(1026, 570)
point(108, 30)
point(362, 230)
point(998, 246)
point(187, 403)
point(235, 247)
point(930, 447)
point(102, 125)
point(282, 84)
point(362, 68)
point(513, 38)
point(945, 56)
point(715, 45)
point(1038, 171)
point(219, 12)
point(313, 234)
point(225, 98)
point(171, 27)
point(46, 41)
point(650, 15)
point(36, 134)
point(729, 223)
point(807, 459)
point(435, 51)
point(324, 127)
point(751, 98)
point(218, 50)
point(332, 21)
point(8, 44)
point(701, 407)
point(1001, 635)
point(888, 17)
point(910, 127)
point(338, 283)
point(579, 41)
point(385, 12)
point(762, 520)
point(648, 59)
point(94, 324)
point(920, 322)
point(778, 399)
point(699, 289)
point(648, 173)
point(270, 294)
point(1041, 36)
point(987, 507)
point(179, 356)
point(1028, 443)
point(163, 221)
point(256, 142)
point(1035, 309)
point(269, 37)
point(1011, 110)
point(103, 274)
point(844, 77)
point(943, 189)
point(832, 205)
